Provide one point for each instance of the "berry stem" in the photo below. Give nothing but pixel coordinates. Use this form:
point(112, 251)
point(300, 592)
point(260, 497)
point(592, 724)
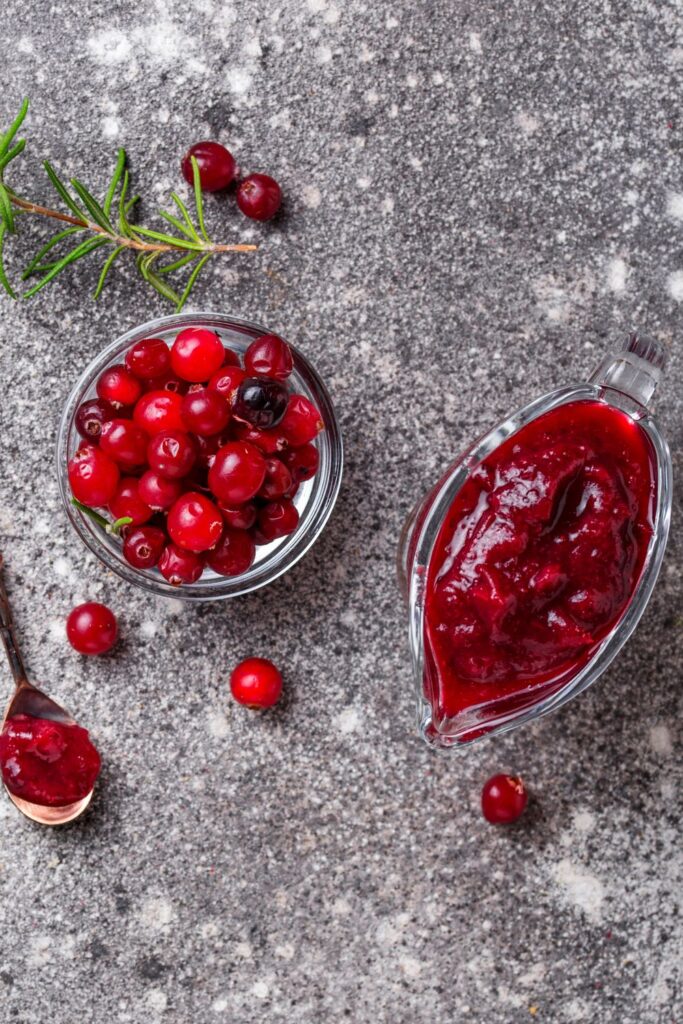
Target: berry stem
point(110, 528)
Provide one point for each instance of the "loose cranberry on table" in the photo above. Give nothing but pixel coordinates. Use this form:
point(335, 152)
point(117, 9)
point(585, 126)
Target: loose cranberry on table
point(91, 628)
point(216, 165)
point(256, 683)
point(269, 356)
point(118, 387)
point(93, 476)
point(196, 354)
point(503, 799)
point(46, 762)
point(259, 196)
point(149, 358)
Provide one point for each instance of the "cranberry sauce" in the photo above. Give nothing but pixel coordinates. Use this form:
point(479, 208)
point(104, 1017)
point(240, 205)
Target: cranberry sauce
point(46, 762)
point(536, 560)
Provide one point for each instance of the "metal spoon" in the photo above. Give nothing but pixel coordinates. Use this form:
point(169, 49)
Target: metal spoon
point(29, 700)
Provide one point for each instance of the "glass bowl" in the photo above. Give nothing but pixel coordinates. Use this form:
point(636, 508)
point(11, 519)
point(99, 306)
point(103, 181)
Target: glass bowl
point(314, 500)
point(627, 380)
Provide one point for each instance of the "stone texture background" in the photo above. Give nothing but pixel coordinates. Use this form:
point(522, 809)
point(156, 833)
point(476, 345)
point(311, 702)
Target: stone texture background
point(480, 198)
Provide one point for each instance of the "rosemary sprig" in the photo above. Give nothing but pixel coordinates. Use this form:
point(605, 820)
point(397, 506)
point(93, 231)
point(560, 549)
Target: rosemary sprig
point(159, 254)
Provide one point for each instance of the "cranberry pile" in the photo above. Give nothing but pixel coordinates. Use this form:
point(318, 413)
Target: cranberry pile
point(202, 454)
point(258, 195)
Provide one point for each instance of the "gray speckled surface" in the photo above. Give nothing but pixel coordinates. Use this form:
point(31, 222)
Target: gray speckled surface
point(479, 197)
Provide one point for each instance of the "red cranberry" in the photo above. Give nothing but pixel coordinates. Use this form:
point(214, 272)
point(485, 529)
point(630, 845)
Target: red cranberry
point(205, 412)
point(93, 477)
point(118, 387)
point(237, 472)
point(143, 546)
point(259, 196)
point(503, 799)
point(158, 491)
point(196, 354)
point(233, 554)
point(302, 422)
point(240, 517)
point(278, 480)
point(231, 358)
point(194, 522)
point(91, 416)
point(124, 442)
point(172, 453)
point(268, 441)
point(226, 382)
point(276, 519)
point(256, 683)
point(127, 502)
point(91, 628)
point(302, 463)
point(208, 446)
point(167, 382)
point(46, 762)
point(216, 165)
point(261, 402)
point(149, 358)
point(269, 356)
point(179, 566)
point(159, 410)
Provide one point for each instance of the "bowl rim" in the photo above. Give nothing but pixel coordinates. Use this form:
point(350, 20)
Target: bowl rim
point(289, 550)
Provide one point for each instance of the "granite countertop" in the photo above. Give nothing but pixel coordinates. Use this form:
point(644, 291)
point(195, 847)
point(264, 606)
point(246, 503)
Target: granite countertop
point(480, 198)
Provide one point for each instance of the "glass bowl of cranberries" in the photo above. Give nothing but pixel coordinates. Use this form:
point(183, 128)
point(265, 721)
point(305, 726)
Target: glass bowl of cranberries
point(199, 456)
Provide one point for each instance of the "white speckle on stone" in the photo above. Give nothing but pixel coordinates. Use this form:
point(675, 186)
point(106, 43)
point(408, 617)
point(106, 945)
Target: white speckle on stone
point(62, 566)
point(412, 81)
point(25, 44)
point(575, 1010)
point(148, 627)
point(40, 950)
point(243, 950)
point(219, 727)
point(582, 889)
point(583, 822)
point(393, 110)
point(239, 81)
point(348, 618)
point(285, 951)
point(157, 1000)
point(110, 127)
point(372, 97)
point(409, 966)
point(475, 42)
point(57, 629)
point(341, 907)
point(311, 196)
point(415, 163)
point(391, 21)
point(219, 1005)
point(173, 607)
point(252, 47)
point(260, 990)
point(163, 115)
point(561, 237)
point(526, 122)
point(674, 285)
point(364, 182)
point(365, 55)
point(348, 721)
point(617, 272)
point(316, 6)
point(323, 54)
point(674, 205)
point(437, 78)
point(41, 527)
point(660, 740)
point(387, 205)
point(209, 930)
point(157, 913)
point(110, 46)
point(332, 15)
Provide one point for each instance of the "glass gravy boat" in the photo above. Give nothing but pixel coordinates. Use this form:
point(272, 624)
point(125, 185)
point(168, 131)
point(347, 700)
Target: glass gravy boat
point(626, 380)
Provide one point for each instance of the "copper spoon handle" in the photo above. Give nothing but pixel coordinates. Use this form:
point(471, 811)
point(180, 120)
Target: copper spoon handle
point(9, 636)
